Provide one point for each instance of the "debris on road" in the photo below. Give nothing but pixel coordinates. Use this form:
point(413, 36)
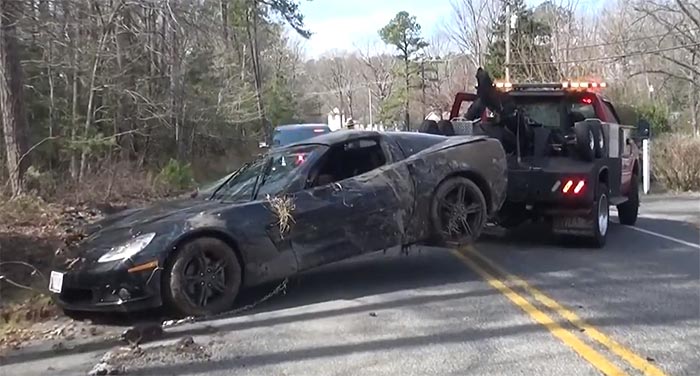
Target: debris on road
point(140, 334)
point(187, 345)
point(112, 362)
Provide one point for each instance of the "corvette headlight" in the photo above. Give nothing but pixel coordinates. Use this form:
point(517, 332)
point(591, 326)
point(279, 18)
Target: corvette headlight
point(128, 249)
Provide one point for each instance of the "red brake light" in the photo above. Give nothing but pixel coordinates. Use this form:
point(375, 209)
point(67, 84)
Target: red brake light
point(300, 159)
point(587, 100)
point(573, 187)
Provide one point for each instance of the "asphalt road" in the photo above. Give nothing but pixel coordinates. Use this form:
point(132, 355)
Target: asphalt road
point(520, 305)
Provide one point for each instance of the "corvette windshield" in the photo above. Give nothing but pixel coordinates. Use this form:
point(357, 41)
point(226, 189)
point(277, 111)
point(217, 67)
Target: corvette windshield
point(268, 174)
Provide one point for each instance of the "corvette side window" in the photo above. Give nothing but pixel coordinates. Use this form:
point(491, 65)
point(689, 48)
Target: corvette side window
point(348, 160)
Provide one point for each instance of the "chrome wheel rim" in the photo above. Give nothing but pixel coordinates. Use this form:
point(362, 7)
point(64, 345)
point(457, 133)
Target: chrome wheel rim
point(459, 213)
point(603, 215)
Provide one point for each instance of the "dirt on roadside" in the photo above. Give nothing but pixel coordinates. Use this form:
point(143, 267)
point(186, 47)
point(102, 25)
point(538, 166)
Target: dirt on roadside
point(32, 233)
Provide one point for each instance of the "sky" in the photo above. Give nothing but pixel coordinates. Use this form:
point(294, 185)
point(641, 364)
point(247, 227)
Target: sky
point(352, 24)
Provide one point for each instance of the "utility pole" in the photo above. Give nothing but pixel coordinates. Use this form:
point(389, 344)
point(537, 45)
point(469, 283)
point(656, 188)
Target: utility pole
point(422, 80)
point(369, 100)
point(508, 23)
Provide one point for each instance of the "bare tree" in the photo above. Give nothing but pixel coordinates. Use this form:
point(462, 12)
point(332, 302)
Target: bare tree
point(378, 74)
point(469, 27)
point(678, 47)
point(337, 74)
point(14, 119)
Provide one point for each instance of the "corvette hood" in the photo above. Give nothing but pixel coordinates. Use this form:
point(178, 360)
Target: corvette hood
point(134, 218)
point(118, 228)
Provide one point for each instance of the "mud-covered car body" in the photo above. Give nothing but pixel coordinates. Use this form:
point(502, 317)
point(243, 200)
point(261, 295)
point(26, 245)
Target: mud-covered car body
point(382, 203)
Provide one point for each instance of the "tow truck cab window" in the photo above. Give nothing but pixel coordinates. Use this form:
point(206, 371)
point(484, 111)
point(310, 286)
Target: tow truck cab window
point(555, 111)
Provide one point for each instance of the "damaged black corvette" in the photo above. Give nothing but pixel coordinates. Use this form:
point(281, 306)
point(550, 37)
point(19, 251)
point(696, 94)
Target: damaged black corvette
point(315, 202)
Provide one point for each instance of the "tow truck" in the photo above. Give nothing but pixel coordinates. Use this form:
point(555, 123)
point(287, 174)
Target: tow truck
point(569, 158)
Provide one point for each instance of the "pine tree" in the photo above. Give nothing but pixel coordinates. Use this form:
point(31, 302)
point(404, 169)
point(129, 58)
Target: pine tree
point(530, 46)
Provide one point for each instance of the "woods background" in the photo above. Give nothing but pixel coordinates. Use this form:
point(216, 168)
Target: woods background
point(118, 99)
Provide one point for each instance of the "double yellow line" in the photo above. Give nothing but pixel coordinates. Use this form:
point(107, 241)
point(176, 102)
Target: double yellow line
point(475, 260)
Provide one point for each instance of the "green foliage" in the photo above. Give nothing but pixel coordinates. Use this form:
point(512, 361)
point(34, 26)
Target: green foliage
point(176, 175)
point(403, 32)
point(391, 107)
point(289, 11)
point(657, 115)
point(280, 101)
point(529, 44)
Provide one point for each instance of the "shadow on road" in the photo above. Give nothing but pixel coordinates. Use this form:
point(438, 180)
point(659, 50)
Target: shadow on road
point(349, 280)
point(540, 234)
point(525, 252)
point(325, 351)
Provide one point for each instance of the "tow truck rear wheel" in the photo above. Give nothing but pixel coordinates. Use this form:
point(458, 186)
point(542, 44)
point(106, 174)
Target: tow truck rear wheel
point(601, 216)
point(628, 211)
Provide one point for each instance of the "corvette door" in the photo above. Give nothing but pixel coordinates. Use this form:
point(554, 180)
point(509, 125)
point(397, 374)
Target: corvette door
point(357, 203)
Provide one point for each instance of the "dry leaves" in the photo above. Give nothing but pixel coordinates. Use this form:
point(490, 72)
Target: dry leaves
point(282, 207)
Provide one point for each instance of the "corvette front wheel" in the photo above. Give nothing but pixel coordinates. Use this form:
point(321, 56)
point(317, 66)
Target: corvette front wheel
point(458, 211)
point(203, 279)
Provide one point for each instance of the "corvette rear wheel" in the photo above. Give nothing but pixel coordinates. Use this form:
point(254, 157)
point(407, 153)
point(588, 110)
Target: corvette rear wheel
point(203, 279)
point(458, 212)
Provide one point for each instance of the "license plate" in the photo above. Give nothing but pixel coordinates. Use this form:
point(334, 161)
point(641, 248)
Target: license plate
point(56, 282)
point(575, 222)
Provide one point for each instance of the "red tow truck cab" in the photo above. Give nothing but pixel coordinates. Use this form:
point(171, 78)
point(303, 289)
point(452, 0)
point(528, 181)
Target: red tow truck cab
point(560, 186)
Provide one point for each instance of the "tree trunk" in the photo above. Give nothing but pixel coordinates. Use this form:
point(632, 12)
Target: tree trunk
point(252, 29)
point(14, 119)
point(407, 116)
point(124, 49)
point(694, 100)
point(176, 100)
point(223, 4)
point(46, 39)
point(71, 25)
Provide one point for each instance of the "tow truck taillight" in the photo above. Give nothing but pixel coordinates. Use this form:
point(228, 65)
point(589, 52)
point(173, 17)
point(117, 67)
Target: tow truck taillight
point(573, 187)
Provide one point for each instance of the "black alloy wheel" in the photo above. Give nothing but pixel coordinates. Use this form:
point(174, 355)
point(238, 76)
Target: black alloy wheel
point(204, 278)
point(458, 211)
